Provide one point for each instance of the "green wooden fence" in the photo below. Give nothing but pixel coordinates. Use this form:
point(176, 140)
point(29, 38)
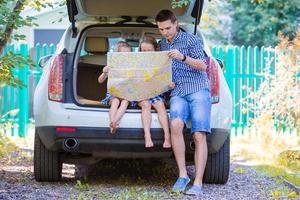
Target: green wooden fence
point(16, 103)
point(242, 66)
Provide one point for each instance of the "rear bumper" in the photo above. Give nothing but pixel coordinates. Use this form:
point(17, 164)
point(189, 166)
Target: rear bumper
point(127, 142)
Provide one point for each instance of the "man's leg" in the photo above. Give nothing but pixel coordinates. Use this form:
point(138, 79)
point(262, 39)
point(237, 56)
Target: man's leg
point(200, 106)
point(200, 156)
point(179, 112)
point(146, 120)
point(178, 145)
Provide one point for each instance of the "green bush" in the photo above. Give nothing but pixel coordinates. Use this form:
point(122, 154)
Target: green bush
point(6, 145)
point(277, 99)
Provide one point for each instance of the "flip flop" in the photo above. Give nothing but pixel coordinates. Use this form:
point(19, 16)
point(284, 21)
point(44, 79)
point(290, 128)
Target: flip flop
point(194, 191)
point(180, 184)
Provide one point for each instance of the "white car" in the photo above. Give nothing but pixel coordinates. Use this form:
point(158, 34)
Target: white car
point(71, 124)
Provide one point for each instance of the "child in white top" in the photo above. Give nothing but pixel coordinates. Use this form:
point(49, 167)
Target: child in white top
point(117, 106)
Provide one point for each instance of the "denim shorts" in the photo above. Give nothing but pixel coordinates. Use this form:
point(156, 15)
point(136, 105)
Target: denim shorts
point(196, 107)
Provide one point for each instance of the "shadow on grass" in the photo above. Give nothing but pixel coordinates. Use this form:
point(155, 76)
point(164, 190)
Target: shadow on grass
point(129, 172)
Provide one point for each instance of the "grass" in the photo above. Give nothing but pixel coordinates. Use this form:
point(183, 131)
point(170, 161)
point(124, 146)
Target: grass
point(14, 150)
point(6, 145)
point(279, 172)
point(134, 192)
point(135, 179)
point(128, 191)
point(275, 155)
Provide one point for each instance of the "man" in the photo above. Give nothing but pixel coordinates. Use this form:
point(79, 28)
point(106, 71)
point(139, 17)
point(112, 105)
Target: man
point(190, 99)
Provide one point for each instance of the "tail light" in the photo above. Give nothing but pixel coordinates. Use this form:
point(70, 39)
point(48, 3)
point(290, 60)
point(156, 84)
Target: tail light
point(65, 129)
point(55, 84)
point(213, 76)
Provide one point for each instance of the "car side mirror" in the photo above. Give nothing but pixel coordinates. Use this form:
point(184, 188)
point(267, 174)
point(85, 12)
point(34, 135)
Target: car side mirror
point(43, 60)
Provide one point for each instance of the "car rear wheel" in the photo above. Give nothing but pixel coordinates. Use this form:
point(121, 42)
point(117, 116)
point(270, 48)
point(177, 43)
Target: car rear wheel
point(217, 166)
point(47, 164)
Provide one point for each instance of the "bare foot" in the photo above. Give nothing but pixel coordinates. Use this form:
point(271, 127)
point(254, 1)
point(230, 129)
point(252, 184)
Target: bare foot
point(167, 143)
point(113, 127)
point(148, 142)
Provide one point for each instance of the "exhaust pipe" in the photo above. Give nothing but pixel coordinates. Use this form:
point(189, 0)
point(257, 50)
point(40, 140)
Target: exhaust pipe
point(70, 144)
point(192, 145)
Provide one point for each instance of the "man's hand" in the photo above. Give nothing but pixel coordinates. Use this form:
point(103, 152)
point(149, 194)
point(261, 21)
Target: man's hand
point(172, 85)
point(176, 54)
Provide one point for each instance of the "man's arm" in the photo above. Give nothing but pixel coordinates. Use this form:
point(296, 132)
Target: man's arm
point(195, 63)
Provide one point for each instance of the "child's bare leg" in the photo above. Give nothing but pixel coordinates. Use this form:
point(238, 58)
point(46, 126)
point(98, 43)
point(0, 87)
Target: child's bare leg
point(146, 120)
point(114, 104)
point(119, 114)
point(163, 119)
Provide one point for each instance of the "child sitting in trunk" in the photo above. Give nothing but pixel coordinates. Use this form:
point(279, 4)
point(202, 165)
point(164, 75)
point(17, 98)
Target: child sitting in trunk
point(149, 43)
point(117, 106)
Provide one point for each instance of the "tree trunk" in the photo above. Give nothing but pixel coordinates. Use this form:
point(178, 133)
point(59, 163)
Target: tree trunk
point(19, 6)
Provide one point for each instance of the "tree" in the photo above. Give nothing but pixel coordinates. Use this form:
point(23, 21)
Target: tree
point(257, 22)
point(277, 99)
point(10, 20)
point(216, 22)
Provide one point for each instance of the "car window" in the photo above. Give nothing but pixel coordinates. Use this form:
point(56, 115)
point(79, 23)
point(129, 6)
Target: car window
point(112, 43)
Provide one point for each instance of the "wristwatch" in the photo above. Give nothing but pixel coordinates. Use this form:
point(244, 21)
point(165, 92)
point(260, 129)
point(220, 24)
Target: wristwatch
point(184, 58)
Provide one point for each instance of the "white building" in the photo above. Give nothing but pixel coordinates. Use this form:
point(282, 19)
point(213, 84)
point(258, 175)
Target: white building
point(49, 29)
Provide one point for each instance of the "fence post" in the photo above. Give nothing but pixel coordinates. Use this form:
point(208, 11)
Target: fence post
point(214, 52)
point(12, 118)
point(37, 72)
point(235, 93)
point(271, 60)
point(243, 81)
point(5, 94)
point(249, 82)
point(262, 62)
point(220, 54)
point(52, 49)
point(229, 70)
point(256, 75)
point(23, 94)
point(45, 49)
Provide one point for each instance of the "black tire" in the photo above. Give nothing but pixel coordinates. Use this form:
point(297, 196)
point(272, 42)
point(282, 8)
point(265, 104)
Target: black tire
point(218, 165)
point(47, 164)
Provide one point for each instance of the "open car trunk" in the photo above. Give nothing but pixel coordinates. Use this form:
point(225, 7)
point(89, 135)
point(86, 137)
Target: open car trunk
point(96, 42)
point(89, 91)
point(117, 13)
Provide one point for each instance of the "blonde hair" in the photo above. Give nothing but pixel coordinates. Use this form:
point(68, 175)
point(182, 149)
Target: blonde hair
point(149, 40)
point(122, 44)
